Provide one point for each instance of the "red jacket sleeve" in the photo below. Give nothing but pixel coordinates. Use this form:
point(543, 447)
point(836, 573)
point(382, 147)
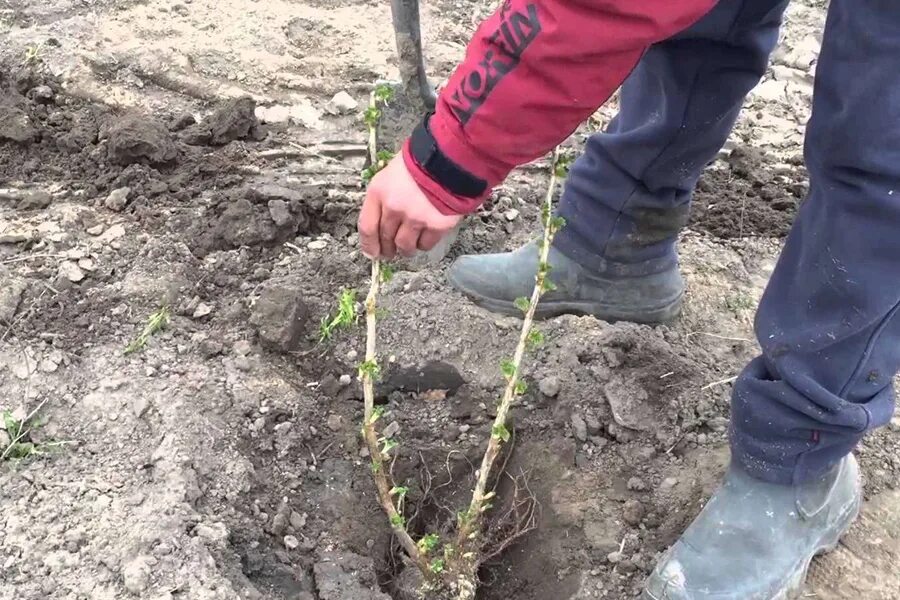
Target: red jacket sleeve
point(533, 73)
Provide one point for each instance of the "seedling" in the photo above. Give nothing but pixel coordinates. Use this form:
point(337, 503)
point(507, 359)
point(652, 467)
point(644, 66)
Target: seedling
point(344, 317)
point(20, 445)
point(455, 573)
point(156, 323)
point(34, 55)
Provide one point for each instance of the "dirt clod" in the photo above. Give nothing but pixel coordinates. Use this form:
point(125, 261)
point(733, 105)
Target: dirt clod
point(280, 315)
point(137, 138)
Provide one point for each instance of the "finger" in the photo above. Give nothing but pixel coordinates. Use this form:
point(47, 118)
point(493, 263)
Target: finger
point(430, 238)
point(390, 223)
point(407, 239)
point(370, 226)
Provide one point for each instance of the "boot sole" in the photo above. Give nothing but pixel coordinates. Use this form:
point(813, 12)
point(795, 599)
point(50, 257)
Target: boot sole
point(547, 309)
point(794, 587)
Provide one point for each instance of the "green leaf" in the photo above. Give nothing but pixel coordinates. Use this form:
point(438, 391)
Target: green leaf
point(384, 92)
point(548, 286)
point(377, 413)
point(535, 338)
point(371, 116)
point(387, 272)
point(429, 543)
point(370, 369)
point(389, 444)
point(508, 369)
point(399, 491)
point(437, 566)
point(10, 424)
point(523, 303)
point(557, 223)
point(398, 521)
point(521, 388)
point(500, 432)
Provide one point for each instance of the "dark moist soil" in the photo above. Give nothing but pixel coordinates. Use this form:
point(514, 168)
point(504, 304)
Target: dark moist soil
point(617, 439)
point(748, 194)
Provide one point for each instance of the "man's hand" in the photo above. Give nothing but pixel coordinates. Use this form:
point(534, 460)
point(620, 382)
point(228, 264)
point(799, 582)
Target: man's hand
point(397, 217)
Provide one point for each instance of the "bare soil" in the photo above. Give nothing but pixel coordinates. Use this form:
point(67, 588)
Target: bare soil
point(188, 154)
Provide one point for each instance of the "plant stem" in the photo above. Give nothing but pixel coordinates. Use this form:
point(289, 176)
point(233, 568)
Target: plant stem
point(380, 472)
point(469, 527)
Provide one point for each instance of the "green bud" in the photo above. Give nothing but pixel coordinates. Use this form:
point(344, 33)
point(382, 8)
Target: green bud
point(523, 304)
point(500, 432)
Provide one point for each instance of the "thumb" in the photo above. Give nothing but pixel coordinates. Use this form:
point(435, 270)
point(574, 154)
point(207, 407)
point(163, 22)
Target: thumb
point(370, 224)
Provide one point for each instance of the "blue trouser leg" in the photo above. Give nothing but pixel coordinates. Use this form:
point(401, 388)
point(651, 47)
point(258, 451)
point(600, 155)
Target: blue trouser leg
point(828, 323)
point(628, 195)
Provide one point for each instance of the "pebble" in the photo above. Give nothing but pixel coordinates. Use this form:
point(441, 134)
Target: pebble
point(202, 310)
point(593, 425)
point(280, 212)
point(117, 199)
point(464, 428)
point(298, 521)
point(71, 271)
point(392, 429)
point(242, 347)
point(668, 483)
point(511, 215)
point(273, 114)
point(345, 380)
point(614, 557)
point(291, 542)
point(96, 229)
point(342, 103)
point(35, 200)
point(136, 576)
point(549, 387)
point(579, 427)
point(139, 405)
point(636, 484)
point(633, 512)
point(317, 245)
point(335, 422)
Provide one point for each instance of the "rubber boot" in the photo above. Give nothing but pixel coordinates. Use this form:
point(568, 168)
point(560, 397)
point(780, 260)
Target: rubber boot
point(755, 540)
point(494, 281)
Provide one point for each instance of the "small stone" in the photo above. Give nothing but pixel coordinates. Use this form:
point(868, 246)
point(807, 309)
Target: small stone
point(113, 233)
point(11, 291)
point(279, 524)
point(117, 199)
point(273, 114)
point(139, 405)
point(202, 310)
point(668, 483)
point(342, 103)
point(42, 93)
point(298, 521)
point(71, 271)
point(136, 576)
point(615, 557)
point(291, 542)
point(593, 425)
point(465, 428)
point(701, 438)
point(579, 427)
point(345, 380)
point(549, 387)
point(511, 215)
point(280, 213)
point(242, 348)
point(35, 200)
point(96, 229)
point(317, 245)
point(633, 512)
point(335, 422)
point(392, 429)
point(636, 484)
point(87, 264)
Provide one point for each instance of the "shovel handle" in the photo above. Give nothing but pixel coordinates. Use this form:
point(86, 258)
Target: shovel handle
point(407, 28)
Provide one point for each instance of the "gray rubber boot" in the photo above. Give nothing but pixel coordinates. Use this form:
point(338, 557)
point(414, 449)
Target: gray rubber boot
point(755, 540)
point(494, 281)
